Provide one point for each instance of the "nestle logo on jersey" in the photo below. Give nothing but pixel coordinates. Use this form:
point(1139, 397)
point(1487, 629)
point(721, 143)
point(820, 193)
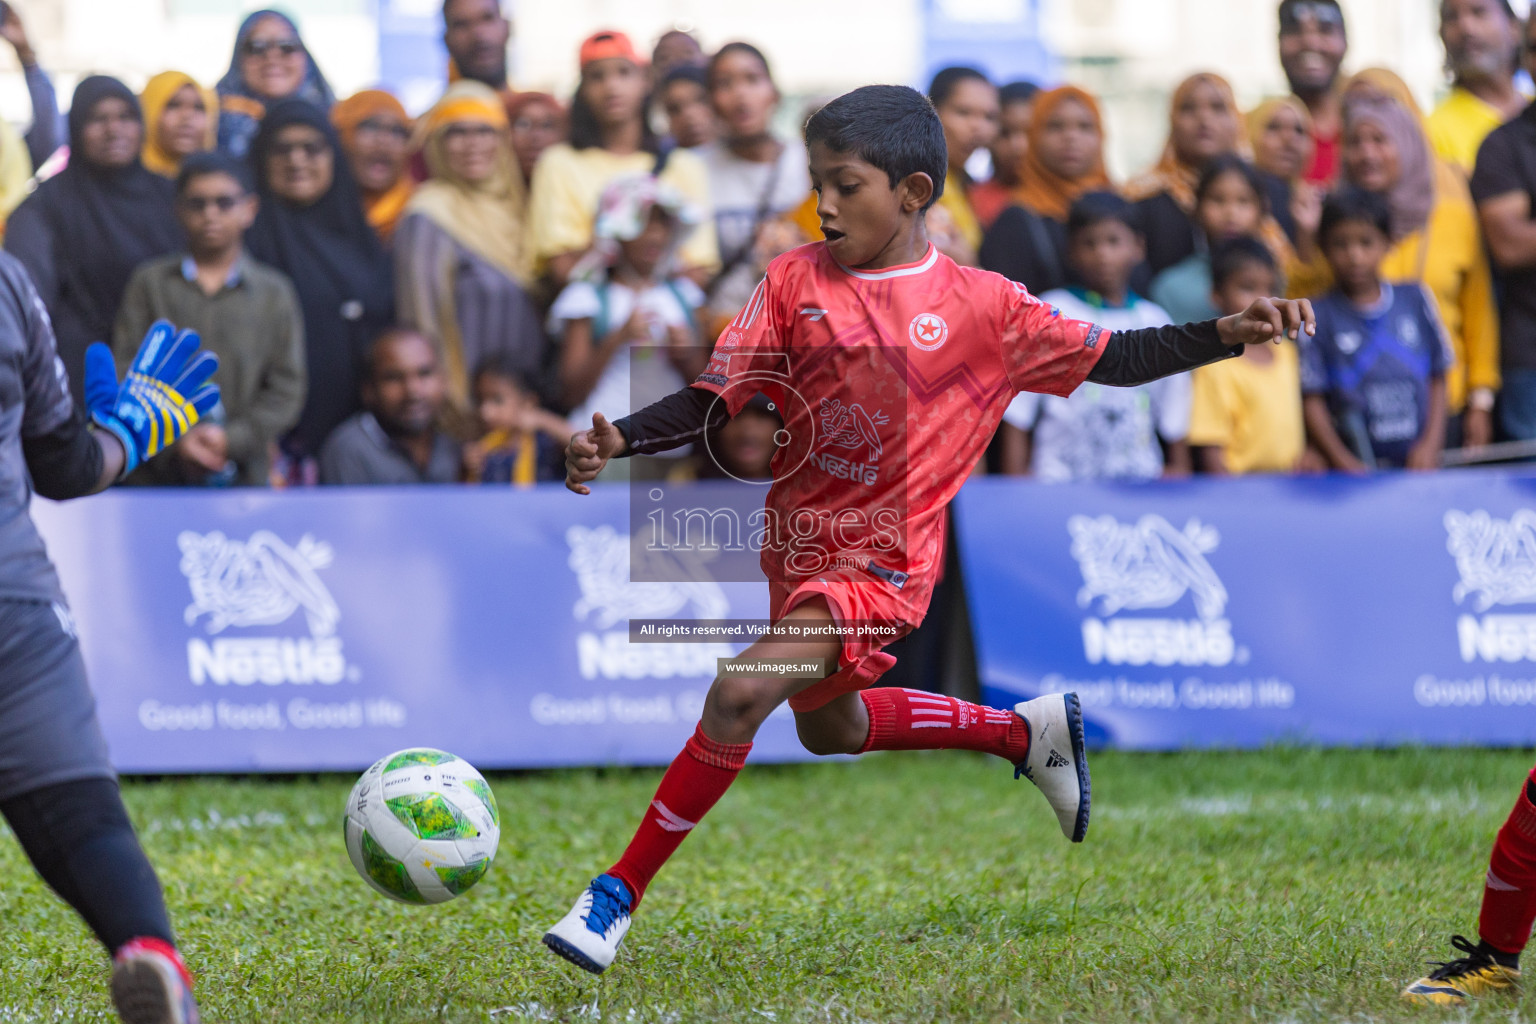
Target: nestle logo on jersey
point(853, 436)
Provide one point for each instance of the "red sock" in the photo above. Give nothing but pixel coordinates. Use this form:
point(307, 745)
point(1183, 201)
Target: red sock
point(698, 777)
point(901, 719)
point(1509, 896)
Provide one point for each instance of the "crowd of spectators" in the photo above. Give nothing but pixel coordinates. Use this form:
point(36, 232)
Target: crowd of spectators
point(444, 299)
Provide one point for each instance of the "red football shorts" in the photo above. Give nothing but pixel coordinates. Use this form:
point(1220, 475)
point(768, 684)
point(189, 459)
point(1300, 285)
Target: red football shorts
point(872, 612)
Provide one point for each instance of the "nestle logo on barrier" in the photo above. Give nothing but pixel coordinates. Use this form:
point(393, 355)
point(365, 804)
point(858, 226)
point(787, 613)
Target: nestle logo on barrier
point(1496, 560)
point(260, 582)
point(1144, 565)
point(600, 557)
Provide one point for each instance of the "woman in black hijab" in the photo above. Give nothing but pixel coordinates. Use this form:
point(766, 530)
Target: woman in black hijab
point(312, 227)
point(82, 233)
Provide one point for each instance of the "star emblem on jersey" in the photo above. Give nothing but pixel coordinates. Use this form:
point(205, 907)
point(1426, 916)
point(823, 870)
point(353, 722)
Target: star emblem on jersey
point(928, 331)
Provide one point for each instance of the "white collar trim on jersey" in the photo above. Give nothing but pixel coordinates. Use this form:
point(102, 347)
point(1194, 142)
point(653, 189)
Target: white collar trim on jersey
point(885, 275)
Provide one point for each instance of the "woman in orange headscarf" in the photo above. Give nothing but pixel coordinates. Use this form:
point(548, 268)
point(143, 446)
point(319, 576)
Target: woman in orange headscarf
point(180, 118)
point(1065, 160)
point(462, 259)
point(1204, 123)
point(375, 134)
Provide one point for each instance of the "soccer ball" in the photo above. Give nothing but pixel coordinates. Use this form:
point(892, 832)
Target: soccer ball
point(422, 826)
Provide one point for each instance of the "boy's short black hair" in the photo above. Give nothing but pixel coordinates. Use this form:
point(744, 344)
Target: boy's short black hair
point(1017, 92)
point(738, 47)
point(200, 165)
point(1352, 205)
point(891, 127)
point(503, 366)
point(1097, 207)
point(685, 73)
point(1236, 254)
point(945, 81)
point(1231, 163)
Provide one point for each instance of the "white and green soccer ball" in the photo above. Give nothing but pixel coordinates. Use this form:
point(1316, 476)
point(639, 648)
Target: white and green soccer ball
point(422, 826)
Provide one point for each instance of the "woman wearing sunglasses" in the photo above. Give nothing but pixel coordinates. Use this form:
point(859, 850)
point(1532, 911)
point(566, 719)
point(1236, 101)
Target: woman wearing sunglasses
point(311, 226)
point(461, 257)
point(270, 64)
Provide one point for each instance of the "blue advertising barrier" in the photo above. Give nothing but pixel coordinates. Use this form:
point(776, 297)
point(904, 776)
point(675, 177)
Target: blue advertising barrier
point(254, 631)
point(1396, 608)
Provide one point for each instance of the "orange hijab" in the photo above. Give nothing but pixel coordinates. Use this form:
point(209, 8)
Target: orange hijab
point(385, 209)
point(1171, 174)
point(156, 96)
point(1043, 190)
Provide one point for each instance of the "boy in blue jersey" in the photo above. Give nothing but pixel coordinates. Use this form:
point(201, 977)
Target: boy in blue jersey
point(1374, 374)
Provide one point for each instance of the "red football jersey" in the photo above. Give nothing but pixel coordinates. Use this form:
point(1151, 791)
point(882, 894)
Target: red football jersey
point(891, 385)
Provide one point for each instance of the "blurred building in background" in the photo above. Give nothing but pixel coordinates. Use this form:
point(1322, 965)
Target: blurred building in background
point(1132, 52)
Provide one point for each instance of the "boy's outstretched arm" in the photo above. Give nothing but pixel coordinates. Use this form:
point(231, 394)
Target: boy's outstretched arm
point(680, 418)
point(1137, 357)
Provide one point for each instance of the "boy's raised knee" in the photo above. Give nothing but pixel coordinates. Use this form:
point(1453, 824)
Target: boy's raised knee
point(825, 739)
point(737, 700)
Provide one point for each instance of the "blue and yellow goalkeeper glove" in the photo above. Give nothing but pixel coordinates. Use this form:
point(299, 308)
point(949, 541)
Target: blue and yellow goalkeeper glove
point(163, 396)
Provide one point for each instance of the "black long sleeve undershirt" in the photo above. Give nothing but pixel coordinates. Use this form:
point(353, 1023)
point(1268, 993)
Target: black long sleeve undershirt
point(65, 463)
point(1130, 358)
point(1138, 357)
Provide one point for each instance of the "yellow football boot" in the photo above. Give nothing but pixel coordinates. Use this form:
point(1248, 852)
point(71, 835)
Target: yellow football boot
point(1454, 982)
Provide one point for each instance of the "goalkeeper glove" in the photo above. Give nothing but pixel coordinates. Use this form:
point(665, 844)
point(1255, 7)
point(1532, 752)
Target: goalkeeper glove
point(164, 394)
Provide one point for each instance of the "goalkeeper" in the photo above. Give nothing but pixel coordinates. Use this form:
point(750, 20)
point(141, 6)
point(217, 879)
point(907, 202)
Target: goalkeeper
point(57, 788)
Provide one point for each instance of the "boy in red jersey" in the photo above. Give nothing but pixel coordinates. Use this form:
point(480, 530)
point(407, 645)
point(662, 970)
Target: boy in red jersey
point(892, 367)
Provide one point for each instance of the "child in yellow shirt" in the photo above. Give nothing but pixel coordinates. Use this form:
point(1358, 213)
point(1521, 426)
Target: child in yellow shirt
point(1246, 416)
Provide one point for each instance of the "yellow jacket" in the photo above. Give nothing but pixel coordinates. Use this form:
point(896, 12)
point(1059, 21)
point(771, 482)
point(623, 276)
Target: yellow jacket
point(1449, 258)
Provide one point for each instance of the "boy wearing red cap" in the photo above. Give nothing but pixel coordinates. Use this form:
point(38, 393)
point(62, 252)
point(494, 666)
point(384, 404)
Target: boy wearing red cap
point(610, 137)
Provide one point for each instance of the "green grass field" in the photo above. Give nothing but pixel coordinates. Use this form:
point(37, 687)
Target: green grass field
point(1284, 886)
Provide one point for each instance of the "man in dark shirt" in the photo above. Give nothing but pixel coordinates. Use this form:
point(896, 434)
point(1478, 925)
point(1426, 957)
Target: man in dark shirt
point(1504, 184)
point(395, 439)
point(57, 788)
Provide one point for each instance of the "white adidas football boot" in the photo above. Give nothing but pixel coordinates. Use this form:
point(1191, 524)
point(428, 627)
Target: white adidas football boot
point(590, 934)
point(1058, 760)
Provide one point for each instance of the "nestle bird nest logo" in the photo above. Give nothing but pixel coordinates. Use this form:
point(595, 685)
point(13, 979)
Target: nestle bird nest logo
point(1146, 565)
point(260, 582)
point(602, 559)
point(1496, 560)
